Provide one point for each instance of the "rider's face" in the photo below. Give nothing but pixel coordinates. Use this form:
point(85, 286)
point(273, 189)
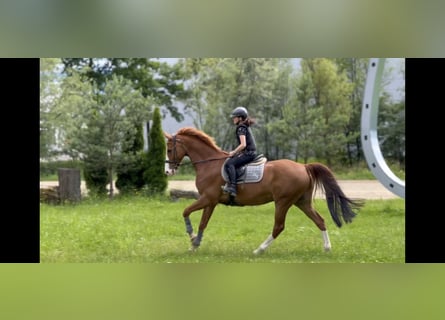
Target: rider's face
point(235, 120)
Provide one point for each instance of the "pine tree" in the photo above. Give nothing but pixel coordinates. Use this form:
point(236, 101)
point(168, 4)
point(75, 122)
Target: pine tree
point(130, 170)
point(96, 177)
point(154, 175)
point(95, 171)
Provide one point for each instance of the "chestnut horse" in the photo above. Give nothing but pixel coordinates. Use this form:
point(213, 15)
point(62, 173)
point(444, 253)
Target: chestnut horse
point(284, 181)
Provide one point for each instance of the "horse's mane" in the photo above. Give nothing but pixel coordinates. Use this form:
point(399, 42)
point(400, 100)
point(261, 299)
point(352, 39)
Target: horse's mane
point(189, 131)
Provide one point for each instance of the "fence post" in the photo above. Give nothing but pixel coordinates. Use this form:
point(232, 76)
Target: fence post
point(69, 184)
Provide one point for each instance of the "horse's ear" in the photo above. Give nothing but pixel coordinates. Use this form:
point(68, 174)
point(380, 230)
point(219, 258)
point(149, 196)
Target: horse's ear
point(168, 136)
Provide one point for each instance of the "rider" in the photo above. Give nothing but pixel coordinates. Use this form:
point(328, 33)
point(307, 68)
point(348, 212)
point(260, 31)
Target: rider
point(244, 152)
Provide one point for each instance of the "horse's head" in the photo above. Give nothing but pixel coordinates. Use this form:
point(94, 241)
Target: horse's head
point(175, 153)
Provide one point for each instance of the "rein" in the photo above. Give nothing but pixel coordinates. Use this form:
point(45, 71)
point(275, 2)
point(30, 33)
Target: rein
point(177, 163)
point(207, 160)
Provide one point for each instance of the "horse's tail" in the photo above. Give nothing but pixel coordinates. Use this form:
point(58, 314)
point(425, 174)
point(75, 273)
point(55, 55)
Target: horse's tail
point(340, 206)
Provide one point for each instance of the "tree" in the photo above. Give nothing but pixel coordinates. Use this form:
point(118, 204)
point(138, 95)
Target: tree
point(220, 85)
point(154, 175)
point(102, 122)
point(330, 108)
point(356, 71)
point(131, 168)
point(49, 95)
point(315, 114)
point(298, 117)
point(278, 144)
point(161, 82)
point(195, 70)
point(94, 166)
point(391, 129)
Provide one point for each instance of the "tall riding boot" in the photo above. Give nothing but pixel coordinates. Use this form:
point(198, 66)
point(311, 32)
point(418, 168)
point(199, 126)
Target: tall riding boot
point(230, 187)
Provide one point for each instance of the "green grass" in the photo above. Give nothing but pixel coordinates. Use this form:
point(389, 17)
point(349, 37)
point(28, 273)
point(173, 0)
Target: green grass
point(182, 177)
point(49, 177)
point(362, 172)
point(145, 230)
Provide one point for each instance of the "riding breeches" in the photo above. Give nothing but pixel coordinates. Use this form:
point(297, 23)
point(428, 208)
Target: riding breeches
point(237, 161)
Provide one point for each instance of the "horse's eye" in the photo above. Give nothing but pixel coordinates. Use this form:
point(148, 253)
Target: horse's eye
point(169, 151)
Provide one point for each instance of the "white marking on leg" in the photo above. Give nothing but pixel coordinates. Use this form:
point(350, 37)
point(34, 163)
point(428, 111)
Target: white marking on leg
point(327, 242)
point(264, 245)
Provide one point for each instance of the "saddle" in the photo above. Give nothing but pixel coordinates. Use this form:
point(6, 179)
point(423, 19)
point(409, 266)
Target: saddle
point(250, 173)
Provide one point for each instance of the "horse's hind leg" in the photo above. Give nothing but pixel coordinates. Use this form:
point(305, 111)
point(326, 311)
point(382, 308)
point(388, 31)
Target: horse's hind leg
point(308, 209)
point(281, 209)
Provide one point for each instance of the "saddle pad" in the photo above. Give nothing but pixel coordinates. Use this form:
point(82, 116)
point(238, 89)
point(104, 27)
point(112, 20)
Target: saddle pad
point(252, 174)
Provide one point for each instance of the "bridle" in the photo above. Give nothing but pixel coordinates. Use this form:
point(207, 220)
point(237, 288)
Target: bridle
point(177, 163)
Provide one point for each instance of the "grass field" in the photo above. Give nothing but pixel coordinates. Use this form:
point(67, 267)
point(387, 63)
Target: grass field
point(145, 230)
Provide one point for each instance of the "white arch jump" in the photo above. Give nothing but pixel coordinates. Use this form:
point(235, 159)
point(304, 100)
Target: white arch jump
point(369, 138)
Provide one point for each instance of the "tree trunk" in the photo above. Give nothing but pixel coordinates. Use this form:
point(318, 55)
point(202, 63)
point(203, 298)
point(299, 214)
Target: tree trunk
point(69, 184)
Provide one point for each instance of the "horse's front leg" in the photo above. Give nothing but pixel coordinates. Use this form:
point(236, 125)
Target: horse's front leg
point(196, 239)
point(198, 204)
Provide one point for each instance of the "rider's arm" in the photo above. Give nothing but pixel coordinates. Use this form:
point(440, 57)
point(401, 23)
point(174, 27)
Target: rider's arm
point(241, 146)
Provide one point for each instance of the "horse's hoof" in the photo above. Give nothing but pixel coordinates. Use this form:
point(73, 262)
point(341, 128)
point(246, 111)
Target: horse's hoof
point(258, 251)
point(327, 249)
point(193, 249)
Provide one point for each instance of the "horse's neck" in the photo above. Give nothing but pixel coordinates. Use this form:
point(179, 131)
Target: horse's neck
point(202, 152)
point(207, 162)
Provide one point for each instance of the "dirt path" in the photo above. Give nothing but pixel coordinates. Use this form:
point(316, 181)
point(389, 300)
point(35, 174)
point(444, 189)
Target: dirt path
point(364, 189)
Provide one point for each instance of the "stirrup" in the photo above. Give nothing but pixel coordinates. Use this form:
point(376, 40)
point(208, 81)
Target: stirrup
point(230, 189)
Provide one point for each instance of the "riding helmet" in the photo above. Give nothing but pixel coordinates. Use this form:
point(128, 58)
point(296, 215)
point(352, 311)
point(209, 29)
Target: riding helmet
point(239, 112)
